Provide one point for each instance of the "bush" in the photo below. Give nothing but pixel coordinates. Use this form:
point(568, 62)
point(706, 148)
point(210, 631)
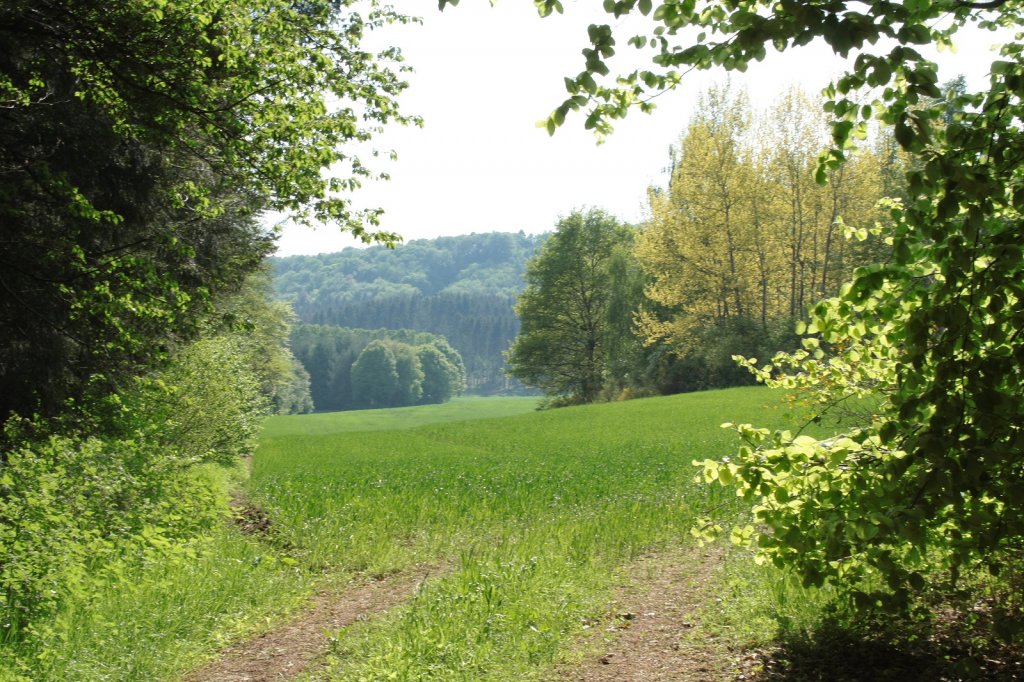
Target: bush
point(70, 505)
point(116, 480)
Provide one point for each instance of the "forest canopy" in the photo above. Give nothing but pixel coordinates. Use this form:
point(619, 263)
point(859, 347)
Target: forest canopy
point(462, 288)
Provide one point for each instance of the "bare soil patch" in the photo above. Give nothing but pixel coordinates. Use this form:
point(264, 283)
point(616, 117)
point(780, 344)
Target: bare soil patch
point(654, 633)
point(250, 519)
point(292, 648)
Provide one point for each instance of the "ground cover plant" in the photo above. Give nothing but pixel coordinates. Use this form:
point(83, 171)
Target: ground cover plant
point(154, 613)
point(529, 516)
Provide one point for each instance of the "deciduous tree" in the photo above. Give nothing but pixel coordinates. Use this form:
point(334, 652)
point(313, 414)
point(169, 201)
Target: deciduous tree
point(564, 311)
point(443, 375)
point(375, 376)
point(743, 241)
point(137, 143)
point(699, 246)
point(409, 389)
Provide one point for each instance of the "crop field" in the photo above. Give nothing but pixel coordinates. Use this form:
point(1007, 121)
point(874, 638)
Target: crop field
point(396, 418)
point(521, 518)
point(527, 517)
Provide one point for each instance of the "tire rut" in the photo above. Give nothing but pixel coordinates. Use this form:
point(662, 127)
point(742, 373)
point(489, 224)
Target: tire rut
point(288, 650)
point(654, 633)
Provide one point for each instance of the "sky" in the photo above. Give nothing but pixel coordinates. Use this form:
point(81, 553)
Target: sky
point(484, 76)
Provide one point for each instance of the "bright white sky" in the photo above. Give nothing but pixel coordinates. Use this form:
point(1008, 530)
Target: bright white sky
point(485, 76)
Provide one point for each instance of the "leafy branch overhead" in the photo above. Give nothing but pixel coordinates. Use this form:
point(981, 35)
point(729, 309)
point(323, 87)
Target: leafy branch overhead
point(689, 35)
point(267, 95)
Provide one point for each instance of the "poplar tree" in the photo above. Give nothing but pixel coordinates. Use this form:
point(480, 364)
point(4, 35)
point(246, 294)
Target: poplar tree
point(699, 245)
point(744, 240)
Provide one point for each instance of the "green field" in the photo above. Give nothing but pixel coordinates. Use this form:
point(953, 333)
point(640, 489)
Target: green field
point(458, 409)
point(534, 512)
point(527, 515)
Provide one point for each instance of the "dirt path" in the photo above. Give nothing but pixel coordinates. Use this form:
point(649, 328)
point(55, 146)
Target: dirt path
point(654, 634)
point(290, 649)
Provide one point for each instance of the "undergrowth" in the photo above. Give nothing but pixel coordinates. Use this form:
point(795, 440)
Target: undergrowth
point(785, 632)
point(157, 613)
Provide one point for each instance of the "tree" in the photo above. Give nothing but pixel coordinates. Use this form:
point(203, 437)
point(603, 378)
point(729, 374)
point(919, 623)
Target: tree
point(316, 357)
point(626, 358)
point(817, 258)
point(442, 377)
point(561, 346)
point(137, 145)
point(409, 389)
point(744, 240)
point(283, 381)
point(295, 397)
point(699, 248)
point(375, 380)
point(932, 479)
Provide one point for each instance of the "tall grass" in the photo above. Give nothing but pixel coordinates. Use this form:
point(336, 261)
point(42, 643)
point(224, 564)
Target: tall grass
point(159, 614)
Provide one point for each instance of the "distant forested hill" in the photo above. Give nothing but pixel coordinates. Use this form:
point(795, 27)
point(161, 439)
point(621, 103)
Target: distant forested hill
point(462, 288)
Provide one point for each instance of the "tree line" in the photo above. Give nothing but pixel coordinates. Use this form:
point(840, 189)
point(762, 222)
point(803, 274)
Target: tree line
point(361, 368)
point(462, 288)
point(738, 247)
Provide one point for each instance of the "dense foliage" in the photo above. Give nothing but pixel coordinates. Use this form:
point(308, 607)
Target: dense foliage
point(743, 241)
point(136, 145)
point(114, 479)
point(932, 479)
point(360, 368)
point(462, 288)
point(139, 141)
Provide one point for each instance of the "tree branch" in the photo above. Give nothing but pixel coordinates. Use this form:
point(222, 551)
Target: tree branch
point(992, 4)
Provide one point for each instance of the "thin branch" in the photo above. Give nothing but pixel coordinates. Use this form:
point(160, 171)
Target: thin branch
point(992, 4)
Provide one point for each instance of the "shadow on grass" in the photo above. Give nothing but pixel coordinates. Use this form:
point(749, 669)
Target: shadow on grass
point(944, 649)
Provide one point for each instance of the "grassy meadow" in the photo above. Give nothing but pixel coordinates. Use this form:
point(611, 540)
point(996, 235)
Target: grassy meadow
point(464, 408)
point(532, 513)
point(527, 516)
